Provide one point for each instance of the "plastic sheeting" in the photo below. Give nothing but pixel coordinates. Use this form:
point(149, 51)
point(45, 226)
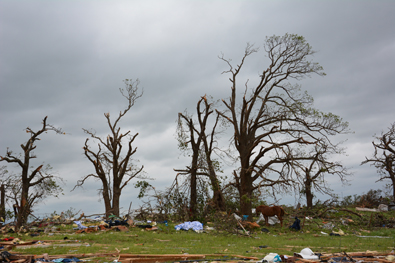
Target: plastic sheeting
point(194, 225)
point(79, 224)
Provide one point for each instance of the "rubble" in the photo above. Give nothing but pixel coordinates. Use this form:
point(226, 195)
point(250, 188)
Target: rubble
point(336, 227)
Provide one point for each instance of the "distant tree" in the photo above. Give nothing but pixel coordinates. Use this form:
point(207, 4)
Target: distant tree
point(34, 183)
point(202, 143)
point(113, 167)
point(313, 167)
point(273, 116)
point(384, 156)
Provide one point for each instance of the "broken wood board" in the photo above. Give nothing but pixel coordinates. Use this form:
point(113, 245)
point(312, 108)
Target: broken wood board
point(148, 258)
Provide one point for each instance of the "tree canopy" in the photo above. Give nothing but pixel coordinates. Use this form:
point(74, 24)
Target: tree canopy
point(274, 116)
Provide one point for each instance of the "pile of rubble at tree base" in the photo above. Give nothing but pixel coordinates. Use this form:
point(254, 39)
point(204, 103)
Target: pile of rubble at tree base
point(52, 224)
point(305, 256)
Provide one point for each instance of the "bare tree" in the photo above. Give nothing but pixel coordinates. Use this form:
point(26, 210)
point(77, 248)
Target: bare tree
point(202, 147)
point(33, 185)
point(313, 167)
point(274, 115)
point(209, 143)
point(113, 167)
point(195, 144)
point(384, 157)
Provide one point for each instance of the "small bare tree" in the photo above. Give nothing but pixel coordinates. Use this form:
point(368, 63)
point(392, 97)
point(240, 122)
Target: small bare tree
point(32, 185)
point(312, 169)
point(112, 167)
point(384, 157)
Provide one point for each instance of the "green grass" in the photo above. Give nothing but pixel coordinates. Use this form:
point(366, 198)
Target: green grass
point(166, 240)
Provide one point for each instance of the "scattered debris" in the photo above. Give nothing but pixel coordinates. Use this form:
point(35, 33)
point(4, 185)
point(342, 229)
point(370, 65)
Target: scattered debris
point(331, 222)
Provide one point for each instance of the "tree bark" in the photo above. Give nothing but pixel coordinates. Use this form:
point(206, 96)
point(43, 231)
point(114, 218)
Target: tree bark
point(107, 200)
point(309, 196)
point(115, 202)
point(2, 202)
point(246, 193)
point(307, 186)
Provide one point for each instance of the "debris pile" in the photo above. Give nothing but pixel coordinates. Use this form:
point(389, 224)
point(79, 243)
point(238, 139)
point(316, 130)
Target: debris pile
point(334, 227)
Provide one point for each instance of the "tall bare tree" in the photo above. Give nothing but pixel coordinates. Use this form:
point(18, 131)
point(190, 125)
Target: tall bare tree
point(274, 115)
point(209, 146)
point(384, 156)
point(36, 183)
point(113, 167)
point(202, 146)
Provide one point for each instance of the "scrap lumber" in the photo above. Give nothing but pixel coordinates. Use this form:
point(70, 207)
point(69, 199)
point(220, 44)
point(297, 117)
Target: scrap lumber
point(11, 243)
point(85, 255)
point(348, 256)
point(122, 256)
point(307, 260)
point(148, 258)
point(60, 240)
point(245, 231)
point(152, 258)
point(236, 256)
point(373, 259)
point(21, 258)
point(369, 254)
point(240, 256)
point(367, 209)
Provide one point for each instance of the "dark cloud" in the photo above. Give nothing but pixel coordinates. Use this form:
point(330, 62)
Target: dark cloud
point(67, 60)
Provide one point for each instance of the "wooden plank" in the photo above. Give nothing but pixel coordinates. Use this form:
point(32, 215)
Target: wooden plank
point(240, 256)
point(156, 259)
point(122, 256)
point(11, 243)
point(373, 259)
point(307, 260)
point(85, 255)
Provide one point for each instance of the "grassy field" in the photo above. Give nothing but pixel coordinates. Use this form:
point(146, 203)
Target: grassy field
point(362, 233)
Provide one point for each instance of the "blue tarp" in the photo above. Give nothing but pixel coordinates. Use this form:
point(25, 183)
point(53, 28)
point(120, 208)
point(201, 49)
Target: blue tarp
point(195, 225)
point(80, 226)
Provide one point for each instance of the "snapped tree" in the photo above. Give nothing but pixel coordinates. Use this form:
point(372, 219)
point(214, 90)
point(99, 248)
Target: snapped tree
point(202, 146)
point(34, 183)
point(113, 167)
point(273, 116)
point(384, 157)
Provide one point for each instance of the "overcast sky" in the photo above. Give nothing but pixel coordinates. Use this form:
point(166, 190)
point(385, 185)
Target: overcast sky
point(67, 60)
